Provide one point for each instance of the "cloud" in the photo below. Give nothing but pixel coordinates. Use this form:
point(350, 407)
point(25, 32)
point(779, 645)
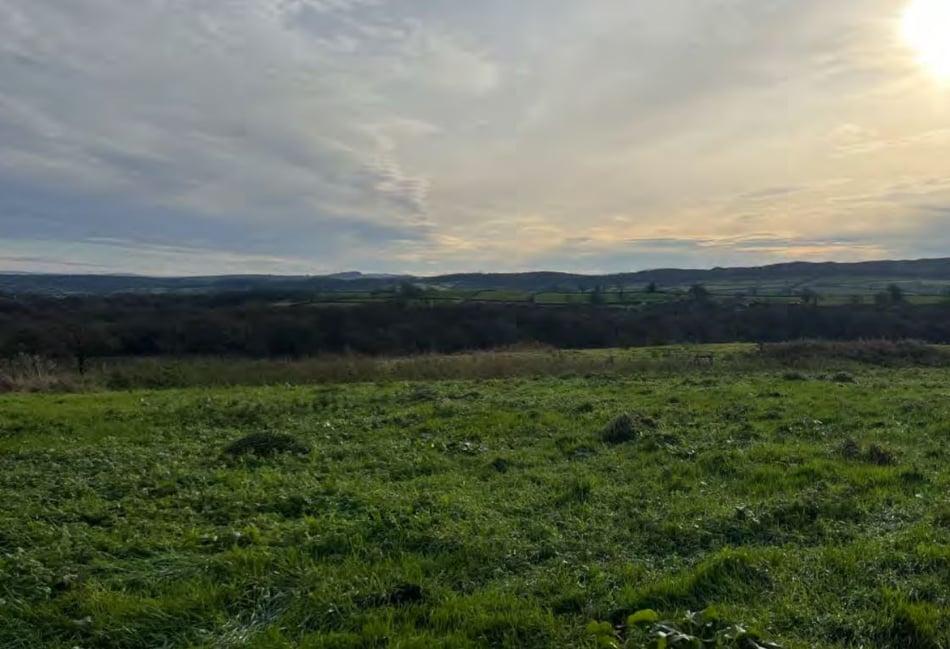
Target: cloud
point(402, 135)
point(116, 256)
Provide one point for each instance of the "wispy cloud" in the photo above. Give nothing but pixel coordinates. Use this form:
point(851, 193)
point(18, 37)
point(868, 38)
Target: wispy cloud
point(407, 135)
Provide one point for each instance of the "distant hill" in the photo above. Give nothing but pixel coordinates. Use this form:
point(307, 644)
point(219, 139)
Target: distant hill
point(922, 269)
point(922, 276)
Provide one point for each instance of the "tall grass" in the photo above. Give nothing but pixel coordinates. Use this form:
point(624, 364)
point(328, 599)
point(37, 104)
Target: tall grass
point(872, 352)
point(30, 374)
point(360, 369)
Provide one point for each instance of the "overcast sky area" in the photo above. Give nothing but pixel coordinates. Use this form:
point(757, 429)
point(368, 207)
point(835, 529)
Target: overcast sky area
point(429, 136)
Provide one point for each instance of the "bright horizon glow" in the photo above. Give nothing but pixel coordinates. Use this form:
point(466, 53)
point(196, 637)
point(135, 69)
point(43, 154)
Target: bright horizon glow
point(926, 28)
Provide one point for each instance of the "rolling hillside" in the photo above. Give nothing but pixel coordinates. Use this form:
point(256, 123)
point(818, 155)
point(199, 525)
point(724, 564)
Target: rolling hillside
point(923, 277)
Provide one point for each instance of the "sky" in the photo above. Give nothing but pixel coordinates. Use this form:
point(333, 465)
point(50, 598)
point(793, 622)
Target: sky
point(174, 137)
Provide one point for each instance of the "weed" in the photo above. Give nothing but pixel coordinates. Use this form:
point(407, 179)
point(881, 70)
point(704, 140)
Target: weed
point(700, 630)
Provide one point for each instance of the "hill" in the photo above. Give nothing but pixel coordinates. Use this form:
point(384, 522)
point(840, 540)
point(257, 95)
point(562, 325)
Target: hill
point(923, 276)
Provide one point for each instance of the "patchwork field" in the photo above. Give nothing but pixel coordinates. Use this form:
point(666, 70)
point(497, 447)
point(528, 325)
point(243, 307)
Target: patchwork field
point(811, 508)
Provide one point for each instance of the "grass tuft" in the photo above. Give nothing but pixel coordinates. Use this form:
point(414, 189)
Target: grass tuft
point(881, 455)
point(877, 454)
point(850, 449)
point(916, 625)
point(627, 428)
point(265, 444)
point(843, 377)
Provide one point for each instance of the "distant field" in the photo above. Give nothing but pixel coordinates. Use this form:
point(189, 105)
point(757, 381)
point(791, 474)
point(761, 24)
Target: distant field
point(829, 293)
point(809, 505)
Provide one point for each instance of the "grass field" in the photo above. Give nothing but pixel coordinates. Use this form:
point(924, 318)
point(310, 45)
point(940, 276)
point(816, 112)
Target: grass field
point(813, 507)
point(831, 292)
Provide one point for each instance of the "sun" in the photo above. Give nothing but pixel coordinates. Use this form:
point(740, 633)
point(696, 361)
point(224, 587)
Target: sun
point(926, 28)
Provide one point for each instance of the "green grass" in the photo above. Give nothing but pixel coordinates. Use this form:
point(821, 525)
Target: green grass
point(480, 514)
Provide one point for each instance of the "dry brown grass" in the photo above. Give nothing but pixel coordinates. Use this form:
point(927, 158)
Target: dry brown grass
point(35, 374)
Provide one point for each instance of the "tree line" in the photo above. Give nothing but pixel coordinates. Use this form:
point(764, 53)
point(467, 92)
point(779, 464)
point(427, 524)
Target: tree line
point(254, 326)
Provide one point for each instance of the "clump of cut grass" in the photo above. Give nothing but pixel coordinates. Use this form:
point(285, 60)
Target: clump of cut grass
point(265, 444)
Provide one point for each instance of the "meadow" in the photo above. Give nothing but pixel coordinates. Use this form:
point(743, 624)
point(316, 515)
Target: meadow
point(805, 506)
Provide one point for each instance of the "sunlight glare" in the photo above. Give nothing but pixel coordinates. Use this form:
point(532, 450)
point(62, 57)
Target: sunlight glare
point(926, 28)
